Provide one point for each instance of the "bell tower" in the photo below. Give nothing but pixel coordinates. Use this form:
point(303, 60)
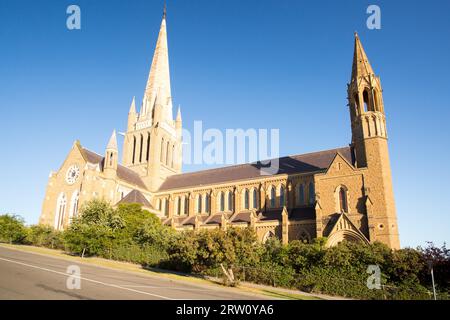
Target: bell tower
point(152, 144)
point(370, 147)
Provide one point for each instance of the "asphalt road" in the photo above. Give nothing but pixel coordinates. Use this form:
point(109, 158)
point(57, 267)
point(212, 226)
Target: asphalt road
point(30, 276)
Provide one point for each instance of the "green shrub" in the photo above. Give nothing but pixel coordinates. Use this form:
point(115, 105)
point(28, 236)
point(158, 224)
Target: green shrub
point(12, 229)
point(44, 236)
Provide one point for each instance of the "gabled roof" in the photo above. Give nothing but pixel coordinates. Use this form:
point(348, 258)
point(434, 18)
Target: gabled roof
point(136, 196)
point(123, 173)
point(303, 163)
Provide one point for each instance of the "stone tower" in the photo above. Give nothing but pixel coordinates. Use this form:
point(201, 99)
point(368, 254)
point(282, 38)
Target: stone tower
point(152, 145)
point(370, 145)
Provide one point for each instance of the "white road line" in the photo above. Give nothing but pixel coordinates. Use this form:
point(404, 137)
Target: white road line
point(89, 280)
point(170, 288)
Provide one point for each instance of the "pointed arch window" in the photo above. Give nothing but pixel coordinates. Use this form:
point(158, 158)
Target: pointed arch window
point(141, 147)
point(166, 210)
point(367, 104)
point(301, 195)
point(173, 155)
point(282, 197)
point(230, 201)
point(246, 199)
point(158, 204)
point(74, 204)
point(134, 150)
point(60, 211)
point(272, 197)
point(343, 203)
point(161, 157)
point(312, 193)
point(178, 206)
point(186, 204)
point(222, 202)
point(167, 153)
point(147, 156)
point(199, 203)
point(207, 206)
point(255, 199)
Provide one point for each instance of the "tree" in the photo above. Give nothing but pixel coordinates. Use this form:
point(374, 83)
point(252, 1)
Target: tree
point(12, 229)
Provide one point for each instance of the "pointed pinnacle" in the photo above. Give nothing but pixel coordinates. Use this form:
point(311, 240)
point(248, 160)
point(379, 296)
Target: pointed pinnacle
point(133, 106)
point(112, 144)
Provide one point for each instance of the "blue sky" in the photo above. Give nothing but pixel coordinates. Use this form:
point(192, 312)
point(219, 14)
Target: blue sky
point(234, 64)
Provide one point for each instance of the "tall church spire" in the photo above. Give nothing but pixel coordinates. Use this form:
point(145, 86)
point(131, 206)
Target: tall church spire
point(159, 77)
point(361, 65)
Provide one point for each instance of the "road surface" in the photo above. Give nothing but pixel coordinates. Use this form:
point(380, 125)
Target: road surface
point(31, 276)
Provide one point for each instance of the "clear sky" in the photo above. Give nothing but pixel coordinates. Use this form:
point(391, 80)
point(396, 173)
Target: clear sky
point(234, 64)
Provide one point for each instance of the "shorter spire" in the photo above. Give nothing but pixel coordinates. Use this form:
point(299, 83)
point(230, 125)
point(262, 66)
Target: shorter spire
point(112, 144)
point(133, 106)
point(179, 114)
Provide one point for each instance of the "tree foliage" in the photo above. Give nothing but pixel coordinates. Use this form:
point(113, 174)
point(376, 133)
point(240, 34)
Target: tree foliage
point(129, 233)
point(12, 229)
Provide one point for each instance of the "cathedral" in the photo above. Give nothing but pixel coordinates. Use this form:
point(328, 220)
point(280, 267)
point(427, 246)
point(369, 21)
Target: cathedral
point(341, 194)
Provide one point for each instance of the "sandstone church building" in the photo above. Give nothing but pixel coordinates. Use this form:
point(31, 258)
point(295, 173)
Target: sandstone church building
point(342, 194)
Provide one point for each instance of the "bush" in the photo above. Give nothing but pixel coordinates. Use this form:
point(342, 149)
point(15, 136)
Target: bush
point(131, 234)
point(12, 229)
point(44, 236)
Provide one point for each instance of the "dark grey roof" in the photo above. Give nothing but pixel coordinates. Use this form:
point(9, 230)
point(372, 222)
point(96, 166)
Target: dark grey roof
point(304, 163)
point(242, 217)
point(136, 196)
point(123, 173)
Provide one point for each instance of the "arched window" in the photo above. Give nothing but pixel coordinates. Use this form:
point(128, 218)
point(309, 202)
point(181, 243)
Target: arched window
point(167, 153)
point(343, 204)
point(255, 199)
point(282, 197)
point(173, 155)
point(272, 196)
point(301, 195)
point(230, 201)
point(147, 156)
point(134, 150)
point(207, 203)
point(166, 211)
point(246, 199)
point(199, 203)
point(179, 206)
point(367, 104)
point(60, 211)
point(186, 204)
point(140, 149)
point(222, 202)
point(161, 158)
point(158, 204)
point(312, 193)
point(74, 204)
point(111, 155)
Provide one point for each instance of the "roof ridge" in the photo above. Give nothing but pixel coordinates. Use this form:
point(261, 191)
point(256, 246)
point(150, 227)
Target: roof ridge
point(250, 163)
